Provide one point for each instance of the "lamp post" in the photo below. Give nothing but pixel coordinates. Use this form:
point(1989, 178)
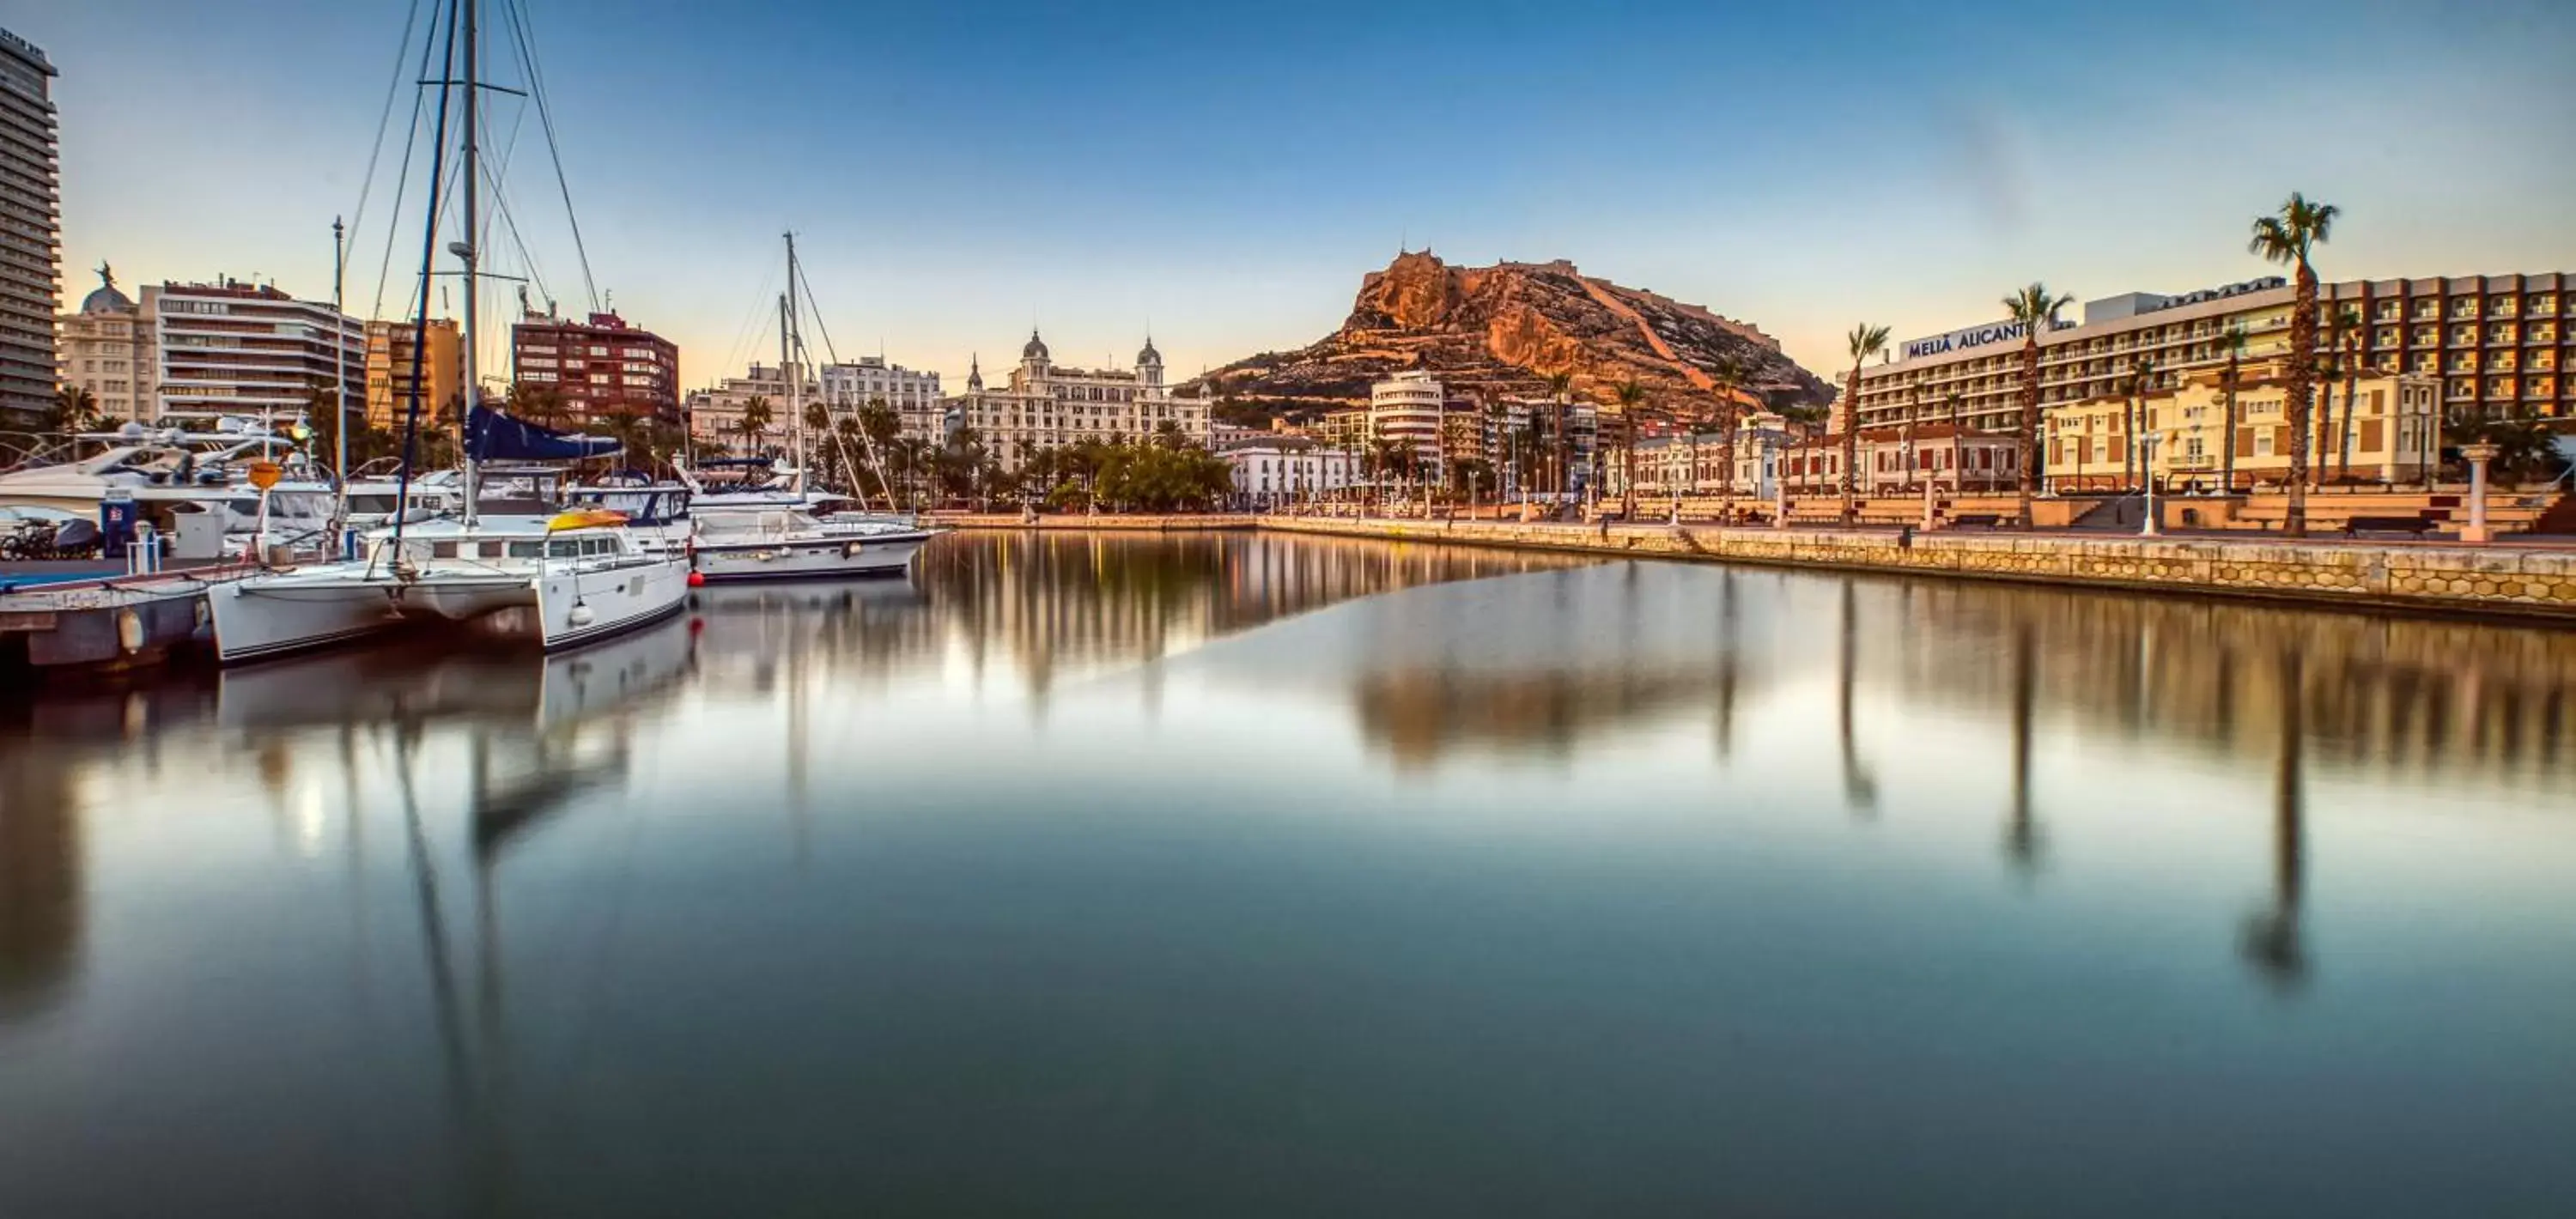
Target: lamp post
point(2150, 527)
point(2478, 456)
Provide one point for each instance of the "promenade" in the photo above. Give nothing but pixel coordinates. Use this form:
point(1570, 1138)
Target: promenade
point(2527, 582)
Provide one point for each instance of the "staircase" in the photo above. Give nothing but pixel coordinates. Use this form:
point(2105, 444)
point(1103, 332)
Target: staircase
point(2119, 514)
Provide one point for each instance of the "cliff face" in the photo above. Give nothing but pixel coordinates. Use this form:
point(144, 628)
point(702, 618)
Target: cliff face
point(1501, 330)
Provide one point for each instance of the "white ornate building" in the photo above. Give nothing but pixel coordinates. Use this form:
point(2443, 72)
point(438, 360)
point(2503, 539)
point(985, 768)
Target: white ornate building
point(1048, 406)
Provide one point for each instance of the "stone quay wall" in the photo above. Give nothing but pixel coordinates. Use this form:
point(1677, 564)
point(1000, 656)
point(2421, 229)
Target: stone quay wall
point(2521, 582)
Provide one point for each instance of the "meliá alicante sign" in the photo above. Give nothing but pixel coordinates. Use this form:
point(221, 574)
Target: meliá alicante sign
point(1972, 336)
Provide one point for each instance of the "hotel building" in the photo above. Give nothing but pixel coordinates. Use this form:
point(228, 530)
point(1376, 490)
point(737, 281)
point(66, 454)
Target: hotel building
point(108, 350)
point(601, 366)
point(233, 348)
point(2497, 343)
point(390, 387)
point(1049, 406)
point(1409, 408)
point(30, 230)
point(2392, 437)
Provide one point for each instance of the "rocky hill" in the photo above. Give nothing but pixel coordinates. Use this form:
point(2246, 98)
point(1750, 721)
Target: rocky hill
point(1499, 331)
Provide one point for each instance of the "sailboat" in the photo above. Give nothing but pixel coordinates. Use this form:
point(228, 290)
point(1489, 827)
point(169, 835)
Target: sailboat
point(584, 573)
point(781, 531)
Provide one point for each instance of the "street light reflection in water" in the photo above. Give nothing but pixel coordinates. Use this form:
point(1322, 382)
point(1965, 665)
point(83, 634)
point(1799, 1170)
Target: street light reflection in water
point(1254, 874)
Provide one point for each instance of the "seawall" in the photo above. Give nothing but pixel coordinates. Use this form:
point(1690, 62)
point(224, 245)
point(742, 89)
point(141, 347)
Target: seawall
point(2526, 583)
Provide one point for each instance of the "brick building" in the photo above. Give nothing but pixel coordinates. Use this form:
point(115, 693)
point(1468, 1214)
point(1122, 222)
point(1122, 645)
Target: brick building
point(602, 367)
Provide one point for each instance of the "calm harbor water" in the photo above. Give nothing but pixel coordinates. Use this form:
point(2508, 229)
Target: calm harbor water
point(1278, 876)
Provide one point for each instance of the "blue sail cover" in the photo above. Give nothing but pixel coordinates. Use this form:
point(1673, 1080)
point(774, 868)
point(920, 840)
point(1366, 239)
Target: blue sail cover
point(493, 436)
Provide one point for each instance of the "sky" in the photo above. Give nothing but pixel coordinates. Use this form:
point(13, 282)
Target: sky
point(1223, 174)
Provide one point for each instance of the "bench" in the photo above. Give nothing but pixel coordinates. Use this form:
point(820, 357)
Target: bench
point(1991, 520)
point(2418, 524)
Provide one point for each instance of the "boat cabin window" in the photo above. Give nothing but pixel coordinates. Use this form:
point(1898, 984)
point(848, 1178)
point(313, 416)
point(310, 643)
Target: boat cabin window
point(527, 550)
point(442, 550)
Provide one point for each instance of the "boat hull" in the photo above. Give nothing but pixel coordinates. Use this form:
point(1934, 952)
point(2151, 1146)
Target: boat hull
point(577, 606)
point(259, 618)
point(810, 559)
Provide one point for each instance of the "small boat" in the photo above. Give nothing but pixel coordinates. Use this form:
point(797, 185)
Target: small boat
point(583, 573)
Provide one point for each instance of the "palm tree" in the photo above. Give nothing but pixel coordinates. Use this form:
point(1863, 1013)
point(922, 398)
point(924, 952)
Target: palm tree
point(1167, 434)
point(1559, 384)
point(2141, 375)
point(1726, 376)
point(1957, 470)
point(755, 422)
point(1631, 398)
point(1865, 341)
point(2345, 343)
point(2036, 309)
point(2233, 342)
point(2287, 239)
point(75, 410)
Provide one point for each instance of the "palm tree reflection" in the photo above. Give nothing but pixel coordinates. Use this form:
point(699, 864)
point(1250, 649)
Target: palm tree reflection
point(2021, 841)
point(1727, 671)
point(1860, 788)
point(2272, 942)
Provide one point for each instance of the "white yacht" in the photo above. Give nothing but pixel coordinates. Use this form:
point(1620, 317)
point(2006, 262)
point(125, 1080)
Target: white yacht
point(186, 491)
point(375, 498)
point(782, 544)
point(582, 573)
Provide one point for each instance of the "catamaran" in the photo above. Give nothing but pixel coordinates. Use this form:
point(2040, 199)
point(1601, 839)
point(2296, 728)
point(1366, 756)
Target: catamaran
point(582, 573)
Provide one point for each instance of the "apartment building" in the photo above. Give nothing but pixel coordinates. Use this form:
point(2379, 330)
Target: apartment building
point(238, 348)
point(390, 383)
point(601, 366)
point(2391, 434)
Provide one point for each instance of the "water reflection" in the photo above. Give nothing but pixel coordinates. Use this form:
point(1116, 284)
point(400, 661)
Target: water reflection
point(1122, 874)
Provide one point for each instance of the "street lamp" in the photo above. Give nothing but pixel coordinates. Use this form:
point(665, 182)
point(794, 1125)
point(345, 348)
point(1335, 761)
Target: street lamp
point(2150, 527)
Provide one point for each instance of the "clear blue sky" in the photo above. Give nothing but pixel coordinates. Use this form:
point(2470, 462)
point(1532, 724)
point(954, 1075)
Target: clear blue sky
point(1225, 172)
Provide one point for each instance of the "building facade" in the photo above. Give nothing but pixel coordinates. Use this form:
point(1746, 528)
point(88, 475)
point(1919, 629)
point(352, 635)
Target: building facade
point(1048, 406)
point(913, 395)
point(234, 348)
point(1899, 461)
point(109, 351)
point(1410, 408)
point(2392, 436)
point(1277, 471)
point(2500, 344)
point(601, 366)
point(1695, 464)
point(390, 384)
point(30, 230)
point(717, 416)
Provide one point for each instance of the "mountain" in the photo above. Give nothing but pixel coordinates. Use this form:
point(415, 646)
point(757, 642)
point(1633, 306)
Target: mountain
point(1499, 331)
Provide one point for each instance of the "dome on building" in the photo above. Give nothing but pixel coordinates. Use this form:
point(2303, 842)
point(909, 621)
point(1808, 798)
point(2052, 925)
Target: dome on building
point(106, 299)
point(1036, 350)
point(1149, 355)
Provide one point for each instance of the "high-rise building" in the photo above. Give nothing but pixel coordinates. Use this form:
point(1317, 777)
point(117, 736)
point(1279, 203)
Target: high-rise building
point(109, 351)
point(389, 372)
point(601, 367)
point(30, 229)
point(914, 396)
point(234, 348)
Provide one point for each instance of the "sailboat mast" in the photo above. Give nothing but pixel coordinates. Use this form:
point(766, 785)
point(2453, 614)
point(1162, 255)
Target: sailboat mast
point(791, 341)
point(787, 381)
point(464, 249)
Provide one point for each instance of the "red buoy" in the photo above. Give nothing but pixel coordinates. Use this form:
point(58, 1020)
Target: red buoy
point(697, 579)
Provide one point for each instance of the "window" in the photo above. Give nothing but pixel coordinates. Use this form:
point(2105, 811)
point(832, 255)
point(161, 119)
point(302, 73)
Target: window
point(2263, 442)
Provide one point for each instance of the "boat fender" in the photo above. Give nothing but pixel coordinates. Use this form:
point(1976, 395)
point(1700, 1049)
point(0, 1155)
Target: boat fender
point(129, 631)
point(850, 550)
point(580, 615)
